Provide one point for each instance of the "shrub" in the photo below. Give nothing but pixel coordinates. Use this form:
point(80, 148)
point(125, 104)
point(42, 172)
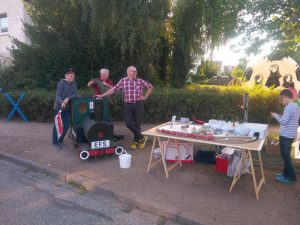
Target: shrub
point(37, 104)
point(197, 78)
point(200, 101)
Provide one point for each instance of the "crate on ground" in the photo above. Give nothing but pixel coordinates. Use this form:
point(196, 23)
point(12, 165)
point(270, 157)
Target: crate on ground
point(185, 151)
point(222, 161)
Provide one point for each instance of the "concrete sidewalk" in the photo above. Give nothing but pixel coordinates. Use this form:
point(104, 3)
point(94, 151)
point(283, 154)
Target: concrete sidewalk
point(193, 194)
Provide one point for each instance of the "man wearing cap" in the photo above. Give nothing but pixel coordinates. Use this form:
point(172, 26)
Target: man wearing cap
point(134, 98)
point(66, 90)
point(101, 84)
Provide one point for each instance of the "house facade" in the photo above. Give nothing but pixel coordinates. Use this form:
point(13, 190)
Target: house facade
point(12, 17)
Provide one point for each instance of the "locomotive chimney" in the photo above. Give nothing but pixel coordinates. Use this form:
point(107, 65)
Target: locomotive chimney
point(98, 110)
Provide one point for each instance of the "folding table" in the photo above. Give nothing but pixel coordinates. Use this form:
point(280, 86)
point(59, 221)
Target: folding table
point(248, 148)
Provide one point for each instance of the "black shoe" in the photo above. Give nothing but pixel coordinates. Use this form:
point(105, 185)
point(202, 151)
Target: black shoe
point(56, 147)
point(61, 145)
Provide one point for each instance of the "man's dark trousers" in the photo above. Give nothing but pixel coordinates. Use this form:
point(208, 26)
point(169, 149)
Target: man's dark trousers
point(134, 118)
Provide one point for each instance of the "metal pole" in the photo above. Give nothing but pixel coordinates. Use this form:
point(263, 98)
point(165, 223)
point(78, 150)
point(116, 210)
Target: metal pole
point(246, 101)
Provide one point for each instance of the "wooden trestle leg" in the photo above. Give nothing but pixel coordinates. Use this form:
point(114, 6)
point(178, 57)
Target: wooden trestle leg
point(163, 149)
point(247, 155)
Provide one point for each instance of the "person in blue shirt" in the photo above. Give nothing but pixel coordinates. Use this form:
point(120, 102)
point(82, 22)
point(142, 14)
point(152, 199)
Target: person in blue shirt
point(289, 122)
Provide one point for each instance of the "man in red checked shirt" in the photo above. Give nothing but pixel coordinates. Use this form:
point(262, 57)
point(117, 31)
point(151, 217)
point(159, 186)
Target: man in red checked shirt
point(134, 97)
point(101, 81)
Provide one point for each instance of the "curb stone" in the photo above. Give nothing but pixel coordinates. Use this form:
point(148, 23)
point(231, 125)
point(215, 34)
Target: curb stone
point(97, 188)
point(51, 171)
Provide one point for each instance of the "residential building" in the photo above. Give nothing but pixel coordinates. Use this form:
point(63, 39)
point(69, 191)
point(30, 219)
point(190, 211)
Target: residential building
point(228, 69)
point(12, 17)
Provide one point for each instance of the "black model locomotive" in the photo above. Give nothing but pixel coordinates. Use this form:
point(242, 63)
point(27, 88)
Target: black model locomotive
point(91, 129)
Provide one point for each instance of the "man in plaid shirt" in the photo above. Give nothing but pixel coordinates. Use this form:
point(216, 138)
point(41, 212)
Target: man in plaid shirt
point(133, 89)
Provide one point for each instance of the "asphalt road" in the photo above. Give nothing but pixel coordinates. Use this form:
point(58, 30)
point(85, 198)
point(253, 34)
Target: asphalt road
point(32, 198)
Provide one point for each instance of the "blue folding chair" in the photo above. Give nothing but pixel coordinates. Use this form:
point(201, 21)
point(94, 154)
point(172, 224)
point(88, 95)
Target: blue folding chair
point(15, 106)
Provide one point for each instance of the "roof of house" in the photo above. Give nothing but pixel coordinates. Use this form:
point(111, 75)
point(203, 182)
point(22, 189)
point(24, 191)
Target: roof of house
point(222, 80)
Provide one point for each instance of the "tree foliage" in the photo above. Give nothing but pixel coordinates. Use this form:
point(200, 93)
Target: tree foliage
point(198, 27)
point(134, 28)
point(209, 68)
point(59, 38)
point(239, 70)
point(278, 21)
point(163, 38)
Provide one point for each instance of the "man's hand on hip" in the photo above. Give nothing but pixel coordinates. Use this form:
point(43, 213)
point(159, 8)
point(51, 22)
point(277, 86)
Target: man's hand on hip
point(142, 98)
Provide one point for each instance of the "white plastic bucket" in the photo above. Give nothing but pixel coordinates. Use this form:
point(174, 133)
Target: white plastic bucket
point(125, 161)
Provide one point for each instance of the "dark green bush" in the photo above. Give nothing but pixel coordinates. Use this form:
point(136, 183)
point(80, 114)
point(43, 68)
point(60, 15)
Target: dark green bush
point(206, 102)
point(203, 102)
point(37, 105)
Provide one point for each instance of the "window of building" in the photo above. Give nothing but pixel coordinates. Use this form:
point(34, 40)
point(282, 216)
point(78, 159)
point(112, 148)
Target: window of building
point(3, 23)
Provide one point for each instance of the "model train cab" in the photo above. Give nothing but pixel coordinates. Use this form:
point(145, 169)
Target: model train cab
point(91, 129)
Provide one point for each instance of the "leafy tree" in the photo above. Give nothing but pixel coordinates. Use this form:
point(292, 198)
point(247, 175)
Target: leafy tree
point(196, 78)
point(243, 62)
point(278, 20)
point(135, 29)
point(87, 35)
point(163, 38)
point(209, 68)
point(239, 70)
point(198, 26)
point(59, 38)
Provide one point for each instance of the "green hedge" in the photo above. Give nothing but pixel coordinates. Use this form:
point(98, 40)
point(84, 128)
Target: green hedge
point(203, 102)
point(206, 102)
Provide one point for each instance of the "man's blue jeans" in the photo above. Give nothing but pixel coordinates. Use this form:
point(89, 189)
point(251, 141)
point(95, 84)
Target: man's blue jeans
point(285, 151)
point(66, 119)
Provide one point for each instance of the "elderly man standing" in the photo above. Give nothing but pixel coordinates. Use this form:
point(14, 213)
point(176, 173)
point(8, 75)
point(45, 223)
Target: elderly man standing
point(134, 98)
point(66, 90)
point(101, 84)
